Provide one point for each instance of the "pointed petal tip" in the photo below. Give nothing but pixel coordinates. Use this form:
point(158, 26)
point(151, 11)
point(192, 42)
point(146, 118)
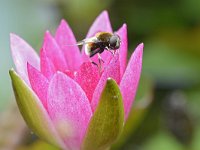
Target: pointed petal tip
point(13, 39)
point(54, 52)
point(13, 74)
point(63, 22)
point(47, 37)
point(110, 80)
point(11, 71)
point(124, 25)
point(13, 36)
point(101, 23)
point(47, 33)
point(142, 44)
point(59, 72)
point(139, 49)
point(22, 53)
point(122, 29)
point(104, 13)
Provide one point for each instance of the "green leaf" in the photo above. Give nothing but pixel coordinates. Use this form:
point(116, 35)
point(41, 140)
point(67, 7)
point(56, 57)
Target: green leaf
point(108, 119)
point(33, 111)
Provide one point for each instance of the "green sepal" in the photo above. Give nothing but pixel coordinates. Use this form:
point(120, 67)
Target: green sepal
point(33, 111)
point(108, 120)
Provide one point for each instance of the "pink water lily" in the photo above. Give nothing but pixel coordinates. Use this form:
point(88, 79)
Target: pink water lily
point(66, 87)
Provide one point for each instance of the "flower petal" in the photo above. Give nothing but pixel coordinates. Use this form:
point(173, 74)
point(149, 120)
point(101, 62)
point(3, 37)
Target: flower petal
point(65, 37)
point(111, 71)
point(23, 53)
point(130, 79)
point(33, 111)
point(54, 53)
point(102, 23)
point(39, 84)
point(107, 122)
point(70, 74)
point(47, 67)
point(122, 32)
point(69, 109)
point(88, 77)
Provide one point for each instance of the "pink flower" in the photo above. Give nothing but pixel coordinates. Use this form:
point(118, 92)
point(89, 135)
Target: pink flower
point(65, 86)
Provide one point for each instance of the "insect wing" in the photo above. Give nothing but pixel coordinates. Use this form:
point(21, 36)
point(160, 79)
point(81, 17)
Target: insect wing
point(85, 41)
point(90, 40)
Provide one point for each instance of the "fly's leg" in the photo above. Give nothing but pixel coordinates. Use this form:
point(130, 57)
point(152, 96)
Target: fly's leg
point(112, 52)
point(117, 51)
point(94, 63)
point(99, 58)
point(100, 62)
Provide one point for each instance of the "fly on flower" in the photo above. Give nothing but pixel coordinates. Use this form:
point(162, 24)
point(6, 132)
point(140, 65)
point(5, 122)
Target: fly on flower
point(100, 42)
point(47, 95)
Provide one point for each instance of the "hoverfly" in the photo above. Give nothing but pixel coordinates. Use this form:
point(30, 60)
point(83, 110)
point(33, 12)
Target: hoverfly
point(100, 42)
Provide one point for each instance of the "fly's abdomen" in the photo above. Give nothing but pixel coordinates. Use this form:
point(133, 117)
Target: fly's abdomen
point(91, 49)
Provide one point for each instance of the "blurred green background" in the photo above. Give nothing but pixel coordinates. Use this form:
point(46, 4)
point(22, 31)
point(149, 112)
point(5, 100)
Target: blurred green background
point(166, 114)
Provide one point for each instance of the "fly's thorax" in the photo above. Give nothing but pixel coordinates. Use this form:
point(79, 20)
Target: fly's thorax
point(103, 36)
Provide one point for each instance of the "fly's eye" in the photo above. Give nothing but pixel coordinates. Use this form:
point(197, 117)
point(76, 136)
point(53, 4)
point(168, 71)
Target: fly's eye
point(115, 42)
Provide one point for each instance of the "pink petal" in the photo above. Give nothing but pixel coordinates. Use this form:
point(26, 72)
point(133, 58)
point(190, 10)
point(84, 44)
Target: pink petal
point(130, 79)
point(65, 38)
point(102, 23)
point(112, 71)
point(39, 84)
point(54, 53)
point(70, 74)
point(69, 108)
point(122, 32)
point(88, 77)
point(23, 53)
point(47, 67)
